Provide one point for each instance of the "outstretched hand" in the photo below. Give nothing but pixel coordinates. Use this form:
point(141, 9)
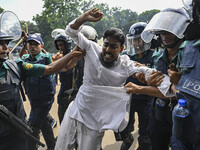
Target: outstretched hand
point(77, 54)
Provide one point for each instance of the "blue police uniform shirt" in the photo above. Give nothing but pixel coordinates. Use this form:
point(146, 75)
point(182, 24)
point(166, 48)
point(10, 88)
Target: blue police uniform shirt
point(40, 87)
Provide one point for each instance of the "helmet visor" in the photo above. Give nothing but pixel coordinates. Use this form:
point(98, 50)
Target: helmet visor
point(10, 25)
point(136, 45)
point(172, 22)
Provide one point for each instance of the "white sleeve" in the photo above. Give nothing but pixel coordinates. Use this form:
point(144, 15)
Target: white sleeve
point(78, 38)
point(164, 87)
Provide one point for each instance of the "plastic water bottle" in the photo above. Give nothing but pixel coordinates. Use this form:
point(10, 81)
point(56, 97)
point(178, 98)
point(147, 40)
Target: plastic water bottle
point(179, 116)
point(160, 109)
point(160, 102)
point(181, 109)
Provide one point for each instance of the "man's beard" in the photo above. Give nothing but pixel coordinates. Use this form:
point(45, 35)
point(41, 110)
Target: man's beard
point(107, 64)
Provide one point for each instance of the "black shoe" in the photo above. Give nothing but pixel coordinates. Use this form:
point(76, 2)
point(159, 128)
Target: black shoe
point(144, 142)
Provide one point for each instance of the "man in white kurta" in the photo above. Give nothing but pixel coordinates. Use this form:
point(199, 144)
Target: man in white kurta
point(102, 102)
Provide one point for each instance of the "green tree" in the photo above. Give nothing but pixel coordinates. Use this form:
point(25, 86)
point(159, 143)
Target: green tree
point(125, 18)
point(56, 14)
point(147, 15)
point(1, 10)
point(28, 26)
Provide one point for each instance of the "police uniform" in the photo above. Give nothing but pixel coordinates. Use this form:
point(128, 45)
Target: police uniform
point(160, 124)
point(66, 84)
point(140, 104)
point(11, 74)
point(189, 87)
point(40, 91)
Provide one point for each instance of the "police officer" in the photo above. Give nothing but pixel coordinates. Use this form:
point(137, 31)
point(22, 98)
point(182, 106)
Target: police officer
point(10, 77)
point(187, 84)
point(138, 51)
point(63, 44)
point(163, 25)
point(40, 91)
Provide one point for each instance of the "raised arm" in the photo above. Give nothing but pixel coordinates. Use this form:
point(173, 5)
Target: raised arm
point(92, 15)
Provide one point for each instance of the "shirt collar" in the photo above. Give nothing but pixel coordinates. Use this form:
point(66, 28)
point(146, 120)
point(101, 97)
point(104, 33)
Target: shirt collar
point(184, 44)
point(4, 65)
point(37, 57)
point(135, 56)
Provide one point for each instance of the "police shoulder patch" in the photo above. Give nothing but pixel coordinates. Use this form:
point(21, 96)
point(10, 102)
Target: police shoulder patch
point(28, 66)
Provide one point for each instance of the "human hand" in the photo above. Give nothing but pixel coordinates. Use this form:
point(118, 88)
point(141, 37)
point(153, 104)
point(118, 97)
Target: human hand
point(140, 77)
point(174, 74)
point(57, 56)
point(137, 64)
point(155, 79)
point(76, 48)
point(132, 88)
point(24, 35)
point(92, 15)
point(77, 54)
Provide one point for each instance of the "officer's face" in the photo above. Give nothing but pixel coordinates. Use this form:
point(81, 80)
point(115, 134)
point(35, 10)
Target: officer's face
point(111, 49)
point(4, 50)
point(138, 44)
point(61, 46)
point(34, 48)
point(168, 38)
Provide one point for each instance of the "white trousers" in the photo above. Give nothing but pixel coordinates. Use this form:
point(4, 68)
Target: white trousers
point(74, 134)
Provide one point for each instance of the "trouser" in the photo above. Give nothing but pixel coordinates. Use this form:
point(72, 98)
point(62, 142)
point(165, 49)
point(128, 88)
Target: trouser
point(161, 137)
point(160, 141)
point(75, 134)
point(62, 107)
point(14, 141)
point(38, 120)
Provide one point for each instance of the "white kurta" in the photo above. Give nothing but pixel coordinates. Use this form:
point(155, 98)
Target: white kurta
point(101, 102)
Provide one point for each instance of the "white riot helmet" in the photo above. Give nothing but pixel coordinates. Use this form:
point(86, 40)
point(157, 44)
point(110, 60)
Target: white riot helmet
point(89, 32)
point(135, 45)
point(171, 20)
point(187, 4)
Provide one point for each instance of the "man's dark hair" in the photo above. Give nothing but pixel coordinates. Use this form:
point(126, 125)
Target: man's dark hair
point(115, 33)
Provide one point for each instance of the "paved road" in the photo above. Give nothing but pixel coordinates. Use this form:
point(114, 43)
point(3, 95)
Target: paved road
point(108, 142)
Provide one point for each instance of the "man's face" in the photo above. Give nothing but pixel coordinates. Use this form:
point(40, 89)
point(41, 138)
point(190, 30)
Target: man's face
point(138, 44)
point(34, 47)
point(111, 49)
point(4, 50)
point(168, 38)
point(61, 46)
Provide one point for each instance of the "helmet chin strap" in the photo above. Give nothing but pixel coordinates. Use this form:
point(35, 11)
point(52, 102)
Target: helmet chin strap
point(3, 59)
point(172, 45)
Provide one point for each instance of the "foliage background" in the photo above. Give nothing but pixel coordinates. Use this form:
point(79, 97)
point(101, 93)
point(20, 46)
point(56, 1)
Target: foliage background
point(58, 13)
